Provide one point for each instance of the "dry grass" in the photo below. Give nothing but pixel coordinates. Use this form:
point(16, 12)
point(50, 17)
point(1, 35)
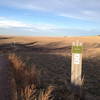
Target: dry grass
point(26, 77)
point(16, 61)
point(41, 66)
point(46, 94)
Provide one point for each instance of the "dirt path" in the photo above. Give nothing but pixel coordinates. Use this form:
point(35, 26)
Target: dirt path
point(7, 83)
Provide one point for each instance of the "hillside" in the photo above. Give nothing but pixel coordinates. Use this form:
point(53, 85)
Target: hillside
point(46, 61)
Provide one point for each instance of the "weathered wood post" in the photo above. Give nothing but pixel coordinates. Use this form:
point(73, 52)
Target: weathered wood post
point(76, 67)
point(76, 70)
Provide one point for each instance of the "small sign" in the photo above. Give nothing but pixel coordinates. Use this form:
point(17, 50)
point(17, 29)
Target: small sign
point(77, 49)
point(76, 58)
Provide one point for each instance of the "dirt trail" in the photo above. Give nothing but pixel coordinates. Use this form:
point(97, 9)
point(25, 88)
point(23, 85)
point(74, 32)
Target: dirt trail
point(7, 83)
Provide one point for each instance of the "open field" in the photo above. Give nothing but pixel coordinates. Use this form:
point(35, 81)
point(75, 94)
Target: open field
point(41, 66)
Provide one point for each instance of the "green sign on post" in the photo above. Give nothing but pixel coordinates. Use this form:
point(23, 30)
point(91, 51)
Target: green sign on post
point(77, 49)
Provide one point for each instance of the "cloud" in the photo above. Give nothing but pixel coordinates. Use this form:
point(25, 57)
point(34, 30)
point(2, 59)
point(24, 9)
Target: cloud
point(21, 28)
point(80, 9)
point(7, 23)
point(13, 25)
point(4, 23)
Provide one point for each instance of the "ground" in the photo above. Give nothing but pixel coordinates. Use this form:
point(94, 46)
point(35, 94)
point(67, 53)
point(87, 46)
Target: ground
point(51, 59)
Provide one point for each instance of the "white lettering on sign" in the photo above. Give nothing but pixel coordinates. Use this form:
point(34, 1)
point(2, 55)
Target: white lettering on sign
point(76, 58)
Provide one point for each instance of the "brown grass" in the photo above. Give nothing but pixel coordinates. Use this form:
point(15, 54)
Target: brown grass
point(26, 78)
point(46, 94)
point(41, 66)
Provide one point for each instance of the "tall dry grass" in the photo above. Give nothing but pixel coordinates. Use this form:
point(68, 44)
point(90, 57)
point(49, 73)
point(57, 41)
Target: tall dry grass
point(46, 94)
point(25, 77)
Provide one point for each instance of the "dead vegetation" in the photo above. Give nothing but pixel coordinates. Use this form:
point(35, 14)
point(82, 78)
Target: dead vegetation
point(42, 68)
point(25, 77)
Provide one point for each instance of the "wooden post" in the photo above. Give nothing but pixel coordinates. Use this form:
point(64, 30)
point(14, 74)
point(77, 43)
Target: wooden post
point(76, 68)
point(13, 45)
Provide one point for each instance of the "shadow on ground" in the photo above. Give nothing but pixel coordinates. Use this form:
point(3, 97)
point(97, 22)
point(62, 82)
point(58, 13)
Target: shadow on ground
point(33, 47)
point(55, 68)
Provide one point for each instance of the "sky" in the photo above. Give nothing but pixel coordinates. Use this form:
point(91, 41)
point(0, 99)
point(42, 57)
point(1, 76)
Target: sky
point(50, 17)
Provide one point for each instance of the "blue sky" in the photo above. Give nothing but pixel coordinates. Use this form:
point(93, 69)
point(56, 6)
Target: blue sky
point(50, 17)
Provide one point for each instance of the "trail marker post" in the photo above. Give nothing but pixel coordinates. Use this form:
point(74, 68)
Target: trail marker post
point(76, 67)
